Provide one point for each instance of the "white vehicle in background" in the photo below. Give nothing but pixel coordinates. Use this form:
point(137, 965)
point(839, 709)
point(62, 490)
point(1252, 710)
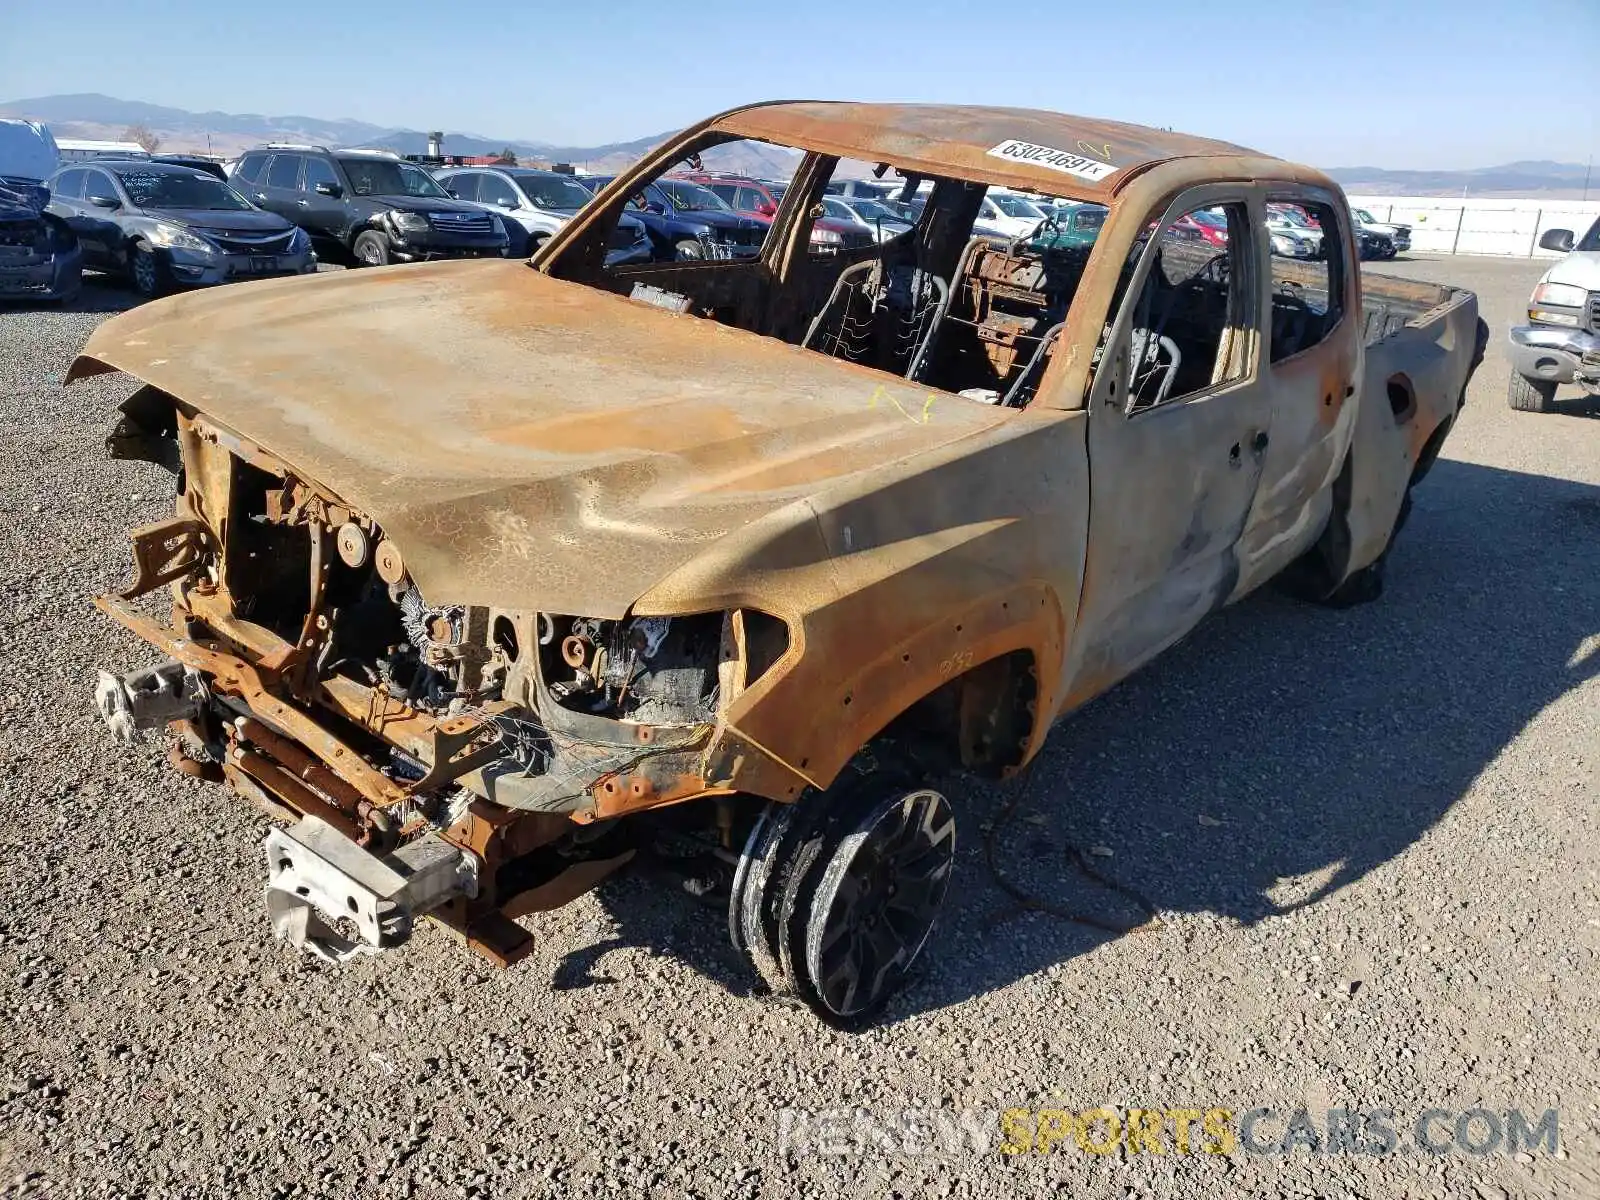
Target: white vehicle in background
point(83, 149)
point(1011, 214)
point(1001, 214)
point(1561, 341)
point(541, 202)
point(1400, 235)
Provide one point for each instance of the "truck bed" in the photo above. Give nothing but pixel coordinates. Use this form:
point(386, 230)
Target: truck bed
point(1389, 303)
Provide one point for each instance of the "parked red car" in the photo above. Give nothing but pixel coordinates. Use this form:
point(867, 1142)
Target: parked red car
point(1295, 214)
point(1210, 227)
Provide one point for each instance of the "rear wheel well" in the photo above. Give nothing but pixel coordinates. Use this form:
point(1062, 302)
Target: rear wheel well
point(1431, 448)
point(981, 720)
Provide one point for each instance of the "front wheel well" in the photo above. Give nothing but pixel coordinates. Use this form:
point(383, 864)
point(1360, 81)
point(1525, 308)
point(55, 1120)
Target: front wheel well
point(60, 227)
point(982, 720)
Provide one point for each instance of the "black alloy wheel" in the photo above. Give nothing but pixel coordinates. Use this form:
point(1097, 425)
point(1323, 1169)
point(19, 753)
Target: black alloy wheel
point(146, 271)
point(371, 250)
point(837, 895)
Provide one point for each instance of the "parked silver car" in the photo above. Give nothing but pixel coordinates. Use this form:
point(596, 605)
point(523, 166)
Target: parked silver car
point(884, 222)
point(540, 202)
point(164, 226)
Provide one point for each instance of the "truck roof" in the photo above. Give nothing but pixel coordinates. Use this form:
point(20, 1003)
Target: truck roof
point(1026, 148)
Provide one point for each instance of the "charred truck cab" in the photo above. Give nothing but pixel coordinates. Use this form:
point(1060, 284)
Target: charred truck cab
point(481, 570)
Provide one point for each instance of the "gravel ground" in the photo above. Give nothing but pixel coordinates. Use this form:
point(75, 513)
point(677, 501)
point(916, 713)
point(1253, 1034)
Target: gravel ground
point(1371, 835)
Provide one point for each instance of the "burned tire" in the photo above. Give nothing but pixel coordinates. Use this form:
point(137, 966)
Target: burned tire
point(371, 249)
point(1531, 395)
point(837, 896)
point(1319, 575)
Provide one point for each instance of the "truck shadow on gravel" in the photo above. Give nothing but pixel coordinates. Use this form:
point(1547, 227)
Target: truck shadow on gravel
point(1278, 754)
point(1571, 403)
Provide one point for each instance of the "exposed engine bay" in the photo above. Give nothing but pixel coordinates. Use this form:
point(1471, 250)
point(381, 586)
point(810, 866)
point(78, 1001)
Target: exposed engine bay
point(369, 622)
point(454, 759)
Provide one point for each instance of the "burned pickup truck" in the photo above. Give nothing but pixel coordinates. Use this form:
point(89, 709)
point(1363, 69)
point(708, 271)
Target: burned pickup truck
point(488, 571)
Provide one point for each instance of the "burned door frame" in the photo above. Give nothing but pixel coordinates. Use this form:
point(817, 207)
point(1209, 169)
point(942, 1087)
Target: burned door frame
point(1313, 417)
point(1172, 486)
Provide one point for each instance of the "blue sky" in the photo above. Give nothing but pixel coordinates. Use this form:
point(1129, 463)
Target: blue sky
point(1413, 83)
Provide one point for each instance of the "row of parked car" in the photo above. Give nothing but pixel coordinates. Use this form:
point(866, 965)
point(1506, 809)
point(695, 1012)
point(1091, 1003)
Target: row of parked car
point(164, 221)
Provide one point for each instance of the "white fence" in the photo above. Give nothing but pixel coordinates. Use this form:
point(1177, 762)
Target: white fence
point(1440, 225)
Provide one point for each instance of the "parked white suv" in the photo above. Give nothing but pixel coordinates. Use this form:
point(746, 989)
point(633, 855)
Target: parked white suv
point(1012, 214)
point(1561, 342)
point(539, 201)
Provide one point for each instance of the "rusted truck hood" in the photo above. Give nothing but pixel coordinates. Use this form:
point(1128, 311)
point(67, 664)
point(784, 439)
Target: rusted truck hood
point(525, 441)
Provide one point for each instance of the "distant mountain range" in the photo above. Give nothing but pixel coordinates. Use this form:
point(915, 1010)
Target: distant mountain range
point(1540, 178)
point(90, 115)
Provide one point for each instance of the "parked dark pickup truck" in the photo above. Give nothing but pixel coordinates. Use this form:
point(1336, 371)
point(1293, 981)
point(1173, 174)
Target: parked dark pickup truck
point(488, 571)
point(368, 206)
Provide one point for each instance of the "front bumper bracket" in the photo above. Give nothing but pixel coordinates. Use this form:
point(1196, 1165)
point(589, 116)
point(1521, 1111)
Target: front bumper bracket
point(330, 897)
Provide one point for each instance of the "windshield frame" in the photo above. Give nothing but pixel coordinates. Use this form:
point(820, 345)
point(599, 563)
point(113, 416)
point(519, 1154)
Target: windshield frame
point(528, 182)
point(400, 166)
point(176, 175)
point(718, 204)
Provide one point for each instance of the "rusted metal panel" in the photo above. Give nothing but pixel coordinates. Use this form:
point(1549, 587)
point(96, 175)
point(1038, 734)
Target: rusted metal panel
point(234, 675)
point(1435, 356)
point(165, 551)
point(961, 140)
point(537, 454)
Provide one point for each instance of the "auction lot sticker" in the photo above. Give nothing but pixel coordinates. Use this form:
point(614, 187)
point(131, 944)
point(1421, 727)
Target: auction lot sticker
point(1057, 160)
